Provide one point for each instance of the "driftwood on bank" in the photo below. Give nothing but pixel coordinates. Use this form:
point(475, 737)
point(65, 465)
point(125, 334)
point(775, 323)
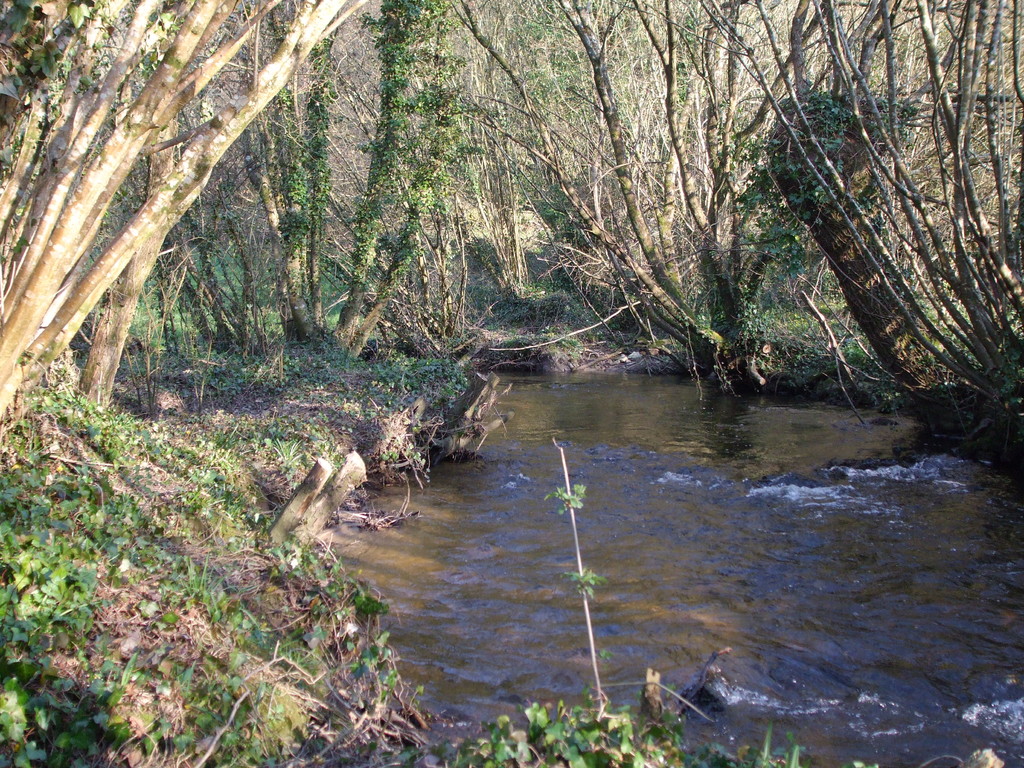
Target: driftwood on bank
point(469, 419)
point(460, 430)
point(318, 497)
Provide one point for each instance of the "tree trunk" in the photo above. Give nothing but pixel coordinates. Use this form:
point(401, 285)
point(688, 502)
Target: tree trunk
point(870, 297)
point(115, 321)
point(285, 246)
point(651, 705)
point(322, 94)
point(51, 279)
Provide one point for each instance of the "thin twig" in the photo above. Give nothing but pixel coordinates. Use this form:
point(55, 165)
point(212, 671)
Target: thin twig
point(309, 678)
point(579, 565)
point(222, 730)
point(78, 463)
point(618, 311)
point(927, 763)
point(837, 352)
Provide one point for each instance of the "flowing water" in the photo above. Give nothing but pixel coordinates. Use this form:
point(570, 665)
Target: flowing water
point(874, 611)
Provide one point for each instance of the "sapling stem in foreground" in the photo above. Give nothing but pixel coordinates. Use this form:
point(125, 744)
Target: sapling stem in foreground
point(570, 501)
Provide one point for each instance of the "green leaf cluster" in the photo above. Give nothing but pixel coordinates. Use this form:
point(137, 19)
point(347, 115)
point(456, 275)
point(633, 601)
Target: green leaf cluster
point(585, 736)
point(586, 581)
point(570, 501)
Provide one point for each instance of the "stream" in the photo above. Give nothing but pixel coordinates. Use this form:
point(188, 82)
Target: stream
point(874, 609)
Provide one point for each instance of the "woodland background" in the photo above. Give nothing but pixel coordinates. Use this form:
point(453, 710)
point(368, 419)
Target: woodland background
point(745, 182)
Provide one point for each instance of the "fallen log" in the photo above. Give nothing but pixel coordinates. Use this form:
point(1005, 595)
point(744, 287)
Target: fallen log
point(317, 498)
point(469, 419)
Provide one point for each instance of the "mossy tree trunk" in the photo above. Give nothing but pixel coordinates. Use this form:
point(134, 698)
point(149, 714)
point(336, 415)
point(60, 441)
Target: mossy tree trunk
point(322, 94)
point(864, 281)
point(279, 175)
point(416, 143)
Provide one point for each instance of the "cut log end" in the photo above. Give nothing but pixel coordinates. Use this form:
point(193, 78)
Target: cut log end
point(320, 494)
point(651, 705)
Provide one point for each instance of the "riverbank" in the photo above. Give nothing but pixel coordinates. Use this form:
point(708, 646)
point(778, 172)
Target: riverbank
point(147, 620)
point(795, 362)
point(794, 355)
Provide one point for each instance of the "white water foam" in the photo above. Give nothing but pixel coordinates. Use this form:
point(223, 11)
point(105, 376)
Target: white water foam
point(1004, 717)
point(806, 495)
point(934, 469)
point(675, 478)
point(734, 694)
point(516, 481)
point(864, 718)
point(873, 698)
point(873, 711)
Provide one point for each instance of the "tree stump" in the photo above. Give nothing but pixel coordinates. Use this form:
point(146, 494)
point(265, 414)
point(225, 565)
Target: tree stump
point(469, 419)
point(651, 706)
point(322, 492)
point(346, 479)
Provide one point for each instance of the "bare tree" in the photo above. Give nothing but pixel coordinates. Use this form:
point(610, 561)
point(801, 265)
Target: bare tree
point(137, 65)
point(898, 144)
point(644, 147)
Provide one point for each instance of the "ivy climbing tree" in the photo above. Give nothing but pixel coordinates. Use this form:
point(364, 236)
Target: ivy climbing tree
point(278, 171)
point(416, 142)
point(321, 96)
point(291, 171)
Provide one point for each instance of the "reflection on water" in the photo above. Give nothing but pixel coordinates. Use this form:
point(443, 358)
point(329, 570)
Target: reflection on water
point(874, 611)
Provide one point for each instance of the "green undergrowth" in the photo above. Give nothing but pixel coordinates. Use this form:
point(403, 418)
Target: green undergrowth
point(314, 402)
point(797, 364)
point(538, 310)
point(144, 617)
point(218, 380)
point(588, 736)
point(536, 329)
